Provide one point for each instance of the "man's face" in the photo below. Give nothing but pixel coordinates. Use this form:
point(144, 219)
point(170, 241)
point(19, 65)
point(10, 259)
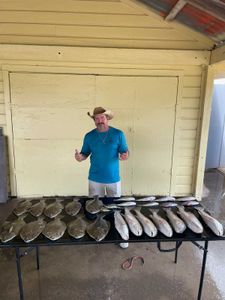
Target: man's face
point(101, 120)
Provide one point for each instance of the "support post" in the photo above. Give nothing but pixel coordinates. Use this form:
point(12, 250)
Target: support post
point(19, 273)
point(37, 257)
point(176, 252)
point(203, 270)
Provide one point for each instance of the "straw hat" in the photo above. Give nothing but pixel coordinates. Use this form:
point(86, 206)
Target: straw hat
point(101, 110)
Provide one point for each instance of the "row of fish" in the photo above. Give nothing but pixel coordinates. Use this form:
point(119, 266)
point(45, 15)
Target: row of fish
point(154, 198)
point(51, 210)
point(137, 223)
point(152, 201)
point(95, 205)
point(54, 229)
point(131, 220)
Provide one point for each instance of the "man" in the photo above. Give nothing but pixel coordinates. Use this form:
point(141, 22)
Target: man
point(106, 146)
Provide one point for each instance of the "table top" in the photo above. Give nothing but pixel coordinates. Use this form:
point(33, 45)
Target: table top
point(113, 236)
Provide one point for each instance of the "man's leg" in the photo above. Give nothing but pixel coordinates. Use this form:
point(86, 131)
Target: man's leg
point(113, 189)
point(96, 188)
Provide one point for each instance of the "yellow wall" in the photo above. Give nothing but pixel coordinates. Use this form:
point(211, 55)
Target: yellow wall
point(187, 66)
point(94, 23)
point(2, 106)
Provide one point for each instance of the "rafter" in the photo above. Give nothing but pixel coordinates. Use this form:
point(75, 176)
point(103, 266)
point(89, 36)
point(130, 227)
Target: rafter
point(175, 10)
point(218, 55)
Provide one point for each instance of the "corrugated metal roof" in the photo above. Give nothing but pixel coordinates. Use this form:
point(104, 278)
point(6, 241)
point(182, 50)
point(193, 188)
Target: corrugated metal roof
point(204, 16)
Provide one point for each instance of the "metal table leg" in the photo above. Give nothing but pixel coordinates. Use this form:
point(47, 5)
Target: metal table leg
point(37, 257)
point(203, 270)
point(19, 273)
point(176, 252)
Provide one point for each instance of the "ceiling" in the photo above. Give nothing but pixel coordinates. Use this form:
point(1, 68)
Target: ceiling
point(204, 16)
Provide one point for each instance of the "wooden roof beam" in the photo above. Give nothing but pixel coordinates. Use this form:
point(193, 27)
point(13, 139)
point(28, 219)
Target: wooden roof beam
point(218, 55)
point(175, 10)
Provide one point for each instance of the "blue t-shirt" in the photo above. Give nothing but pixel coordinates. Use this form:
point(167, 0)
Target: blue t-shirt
point(104, 148)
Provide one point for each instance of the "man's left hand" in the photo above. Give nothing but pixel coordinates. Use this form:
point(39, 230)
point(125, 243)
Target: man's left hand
point(124, 156)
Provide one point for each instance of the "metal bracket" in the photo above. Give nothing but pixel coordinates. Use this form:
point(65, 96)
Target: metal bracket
point(26, 252)
point(178, 244)
point(199, 246)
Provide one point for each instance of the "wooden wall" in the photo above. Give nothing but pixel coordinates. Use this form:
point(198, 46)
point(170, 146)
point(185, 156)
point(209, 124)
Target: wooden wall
point(189, 66)
point(93, 23)
point(2, 105)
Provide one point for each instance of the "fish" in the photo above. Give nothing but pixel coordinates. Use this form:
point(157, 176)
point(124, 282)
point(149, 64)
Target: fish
point(150, 204)
point(166, 198)
point(121, 226)
point(37, 209)
point(13, 229)
point(32, 230)
point(126, 204)
point(149, 198)
point(5, 226)
point(212, 223)
point(133, 223)
point(124, 199)
point(111, 206)
point(148, 226)
point(73, 207)
point(53, 209)
point(168, 204)
point(105, 209)
point(161, 224)
point(190, 203)
point(99, 229)
point(77, 227)
point(190, 219)
point(190, 198)
point(176, 222)
point(22, 207)
point(55, 229)
point(94, 206)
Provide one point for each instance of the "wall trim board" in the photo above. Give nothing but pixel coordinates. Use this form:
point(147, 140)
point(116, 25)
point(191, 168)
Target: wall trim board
point(218, 55)
point(92, 70)
point(8, 111)
point(197, 184)
point(176, 139)
point(103, 55)
point(203, 130)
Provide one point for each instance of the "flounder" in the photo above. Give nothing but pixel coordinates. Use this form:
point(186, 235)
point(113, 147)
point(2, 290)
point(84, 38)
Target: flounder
point(73, 207)
point(94, 206)
point(32, 230)
point(99, 229)
point(55, 229)
point(54, 209)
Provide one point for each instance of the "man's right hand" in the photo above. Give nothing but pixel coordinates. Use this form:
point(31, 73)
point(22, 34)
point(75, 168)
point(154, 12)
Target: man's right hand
point(78, 156)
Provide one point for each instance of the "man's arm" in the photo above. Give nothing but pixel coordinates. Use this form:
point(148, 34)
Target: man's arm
point(79, 156)
point(123, 149)
point(85, 151)
point(124, 156)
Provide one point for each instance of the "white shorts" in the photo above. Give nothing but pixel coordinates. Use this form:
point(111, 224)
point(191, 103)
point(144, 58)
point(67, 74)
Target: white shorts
point(104, 189)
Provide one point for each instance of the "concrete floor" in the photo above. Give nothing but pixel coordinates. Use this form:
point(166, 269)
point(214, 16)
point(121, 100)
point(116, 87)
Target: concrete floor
point(94, 272)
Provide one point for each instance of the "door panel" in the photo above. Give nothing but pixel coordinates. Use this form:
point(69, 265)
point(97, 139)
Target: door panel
point(49, 115)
